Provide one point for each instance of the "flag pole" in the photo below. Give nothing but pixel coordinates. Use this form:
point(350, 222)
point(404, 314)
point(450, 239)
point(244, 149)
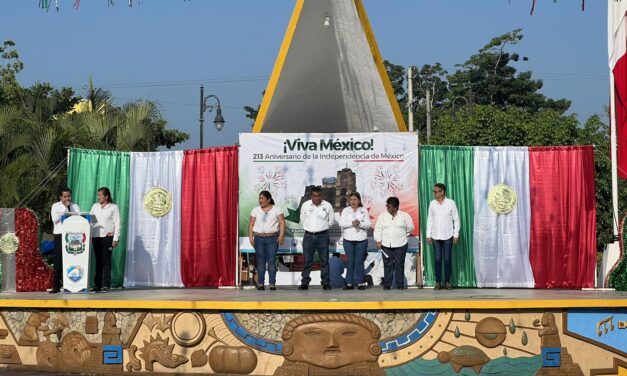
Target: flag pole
point(614, 156)
point(610, 257)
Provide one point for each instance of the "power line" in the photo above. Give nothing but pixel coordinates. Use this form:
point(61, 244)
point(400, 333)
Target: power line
point(134, 85)
point(175, 103)
point(228, 80)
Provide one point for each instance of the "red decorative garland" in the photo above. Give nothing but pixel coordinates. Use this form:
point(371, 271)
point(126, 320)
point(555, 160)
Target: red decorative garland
point(31, 272)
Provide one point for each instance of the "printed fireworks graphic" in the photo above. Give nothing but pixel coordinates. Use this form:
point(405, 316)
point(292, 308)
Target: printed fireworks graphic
point(386, 181)
point(271, 179)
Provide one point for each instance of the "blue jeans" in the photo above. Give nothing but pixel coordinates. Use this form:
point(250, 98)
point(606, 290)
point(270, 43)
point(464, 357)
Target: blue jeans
point(394, 264)
point(313, 243)
point(265, 252)
point(443, 248)
point(356, 252)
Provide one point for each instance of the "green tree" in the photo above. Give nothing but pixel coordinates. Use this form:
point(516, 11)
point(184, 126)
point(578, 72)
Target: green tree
point(10, 66)
point(38, 124)
point(398, 75)
point(595, 132)
point(489, 78)
point(491, 125)
point(430, 92)
point(252, 112)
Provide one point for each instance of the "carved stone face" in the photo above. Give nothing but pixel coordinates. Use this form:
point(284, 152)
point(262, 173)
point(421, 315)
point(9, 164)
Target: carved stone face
point(332, 344)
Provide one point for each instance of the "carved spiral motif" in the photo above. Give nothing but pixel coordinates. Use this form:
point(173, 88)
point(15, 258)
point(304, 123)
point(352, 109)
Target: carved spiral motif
point(75, 349)
point(47, 355)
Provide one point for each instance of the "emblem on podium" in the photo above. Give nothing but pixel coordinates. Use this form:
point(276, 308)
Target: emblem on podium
point(9, 243)
point(75, 242)
point(75, 273)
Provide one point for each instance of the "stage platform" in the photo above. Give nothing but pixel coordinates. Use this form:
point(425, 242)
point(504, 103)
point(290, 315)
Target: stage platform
point(315, 332)
point(291, 299)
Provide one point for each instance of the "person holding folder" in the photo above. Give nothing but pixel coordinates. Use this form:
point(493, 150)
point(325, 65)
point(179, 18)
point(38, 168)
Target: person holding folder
point(105, 233)
point(63, 206)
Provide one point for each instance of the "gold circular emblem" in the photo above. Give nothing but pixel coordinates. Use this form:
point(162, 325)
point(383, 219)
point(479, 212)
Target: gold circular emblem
point(9, 243)
point(158, 202)
point(502, 199)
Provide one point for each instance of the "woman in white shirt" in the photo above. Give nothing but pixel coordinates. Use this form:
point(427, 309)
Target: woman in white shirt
point(355, 222)
point(266, 231)
point(105, 233)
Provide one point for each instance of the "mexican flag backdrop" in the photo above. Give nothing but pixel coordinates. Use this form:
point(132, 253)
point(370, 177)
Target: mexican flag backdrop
point(528, 216)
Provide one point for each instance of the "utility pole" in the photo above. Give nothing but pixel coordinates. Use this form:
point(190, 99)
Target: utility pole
point(410, 99)
point(428, 108)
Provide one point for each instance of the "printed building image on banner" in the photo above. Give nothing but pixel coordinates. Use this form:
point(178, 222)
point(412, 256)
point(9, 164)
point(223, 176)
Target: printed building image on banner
point(377, 165)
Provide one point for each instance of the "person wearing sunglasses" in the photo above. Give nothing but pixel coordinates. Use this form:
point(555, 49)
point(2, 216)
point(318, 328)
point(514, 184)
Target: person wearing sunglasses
point(442, 232)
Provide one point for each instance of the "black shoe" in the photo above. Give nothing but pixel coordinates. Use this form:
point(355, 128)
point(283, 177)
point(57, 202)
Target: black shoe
point(438, 286)
point(449, 286)
point(401, 288)
point(260, 287)
point(105, 289)
point(326, 286)
point(348, 287)
point(55, 290)
point(303, 287)
point(361, 287)
point(386, 287)
point(272, 287)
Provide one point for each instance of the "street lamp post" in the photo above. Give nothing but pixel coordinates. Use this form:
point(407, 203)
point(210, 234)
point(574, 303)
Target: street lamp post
point(219, 119)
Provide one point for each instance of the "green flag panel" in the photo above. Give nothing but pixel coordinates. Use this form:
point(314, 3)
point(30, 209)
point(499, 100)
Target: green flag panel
point(452, 166)
point(89, 170)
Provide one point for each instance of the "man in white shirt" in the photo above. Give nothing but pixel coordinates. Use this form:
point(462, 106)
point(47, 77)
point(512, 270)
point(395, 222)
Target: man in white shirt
point(64, 205)
point(442, 232)
point(316, 217)
point(390, 235)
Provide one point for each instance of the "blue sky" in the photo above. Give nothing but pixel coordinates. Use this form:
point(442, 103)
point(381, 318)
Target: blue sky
point(163, 50)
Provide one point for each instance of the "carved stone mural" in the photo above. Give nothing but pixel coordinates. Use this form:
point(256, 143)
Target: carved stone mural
point(110, 331)
point(34, 324)
point(159, 350)
point(464, 356)
point(9, 355)
point(232, 359)
point(446, 342)
point(342, 342)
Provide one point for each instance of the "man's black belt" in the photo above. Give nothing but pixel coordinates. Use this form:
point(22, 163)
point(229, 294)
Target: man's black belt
point(316, 233)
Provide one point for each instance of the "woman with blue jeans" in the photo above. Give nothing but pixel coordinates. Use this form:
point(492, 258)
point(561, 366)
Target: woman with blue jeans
point(355, 222)
point(266, 231)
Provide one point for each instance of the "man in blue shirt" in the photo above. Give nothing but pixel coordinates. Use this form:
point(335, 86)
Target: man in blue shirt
point(336, 270)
